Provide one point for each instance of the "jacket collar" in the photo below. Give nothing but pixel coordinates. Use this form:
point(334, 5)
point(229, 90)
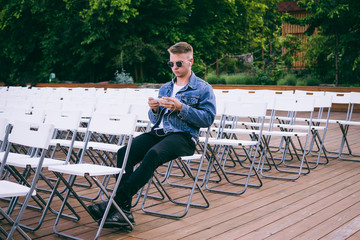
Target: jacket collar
point(192, 81)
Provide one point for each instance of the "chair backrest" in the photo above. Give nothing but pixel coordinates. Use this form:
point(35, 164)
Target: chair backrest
point(339, 97)
point(288, 107)
point(304, 104)
point(309, 93)
point(141, 110)
point(324, 101)
point(245, 109)
point(355, 97)
point(85, 105)
point(295, 104)
point(64, 120)
point(35, 135)
point(276, 92)
point(113, 124)
point(37, 116)
point(235, 111)
point(282, 103)
point(112, 107)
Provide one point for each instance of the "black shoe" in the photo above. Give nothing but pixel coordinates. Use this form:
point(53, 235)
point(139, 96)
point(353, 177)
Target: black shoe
point(97, 210)
point(115, 219)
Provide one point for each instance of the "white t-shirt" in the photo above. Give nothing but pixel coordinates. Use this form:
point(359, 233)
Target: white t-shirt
point(176, 88)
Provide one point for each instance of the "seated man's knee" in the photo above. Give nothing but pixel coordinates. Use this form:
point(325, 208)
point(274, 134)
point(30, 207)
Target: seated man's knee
point(153, 158)
point(120, 156)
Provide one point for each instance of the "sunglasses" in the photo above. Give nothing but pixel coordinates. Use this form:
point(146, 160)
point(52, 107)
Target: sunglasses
point(178, 64)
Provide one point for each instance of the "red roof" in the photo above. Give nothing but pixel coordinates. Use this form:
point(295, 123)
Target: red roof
point(289, 7)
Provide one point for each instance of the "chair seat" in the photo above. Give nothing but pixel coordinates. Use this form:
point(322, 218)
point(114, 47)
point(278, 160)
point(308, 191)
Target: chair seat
point(33, 162)
point(82, 130)
point(66, 143)
point(240, 131)
point(301, 127)
point(315, 120)
point(83, 169)
point(253, 124)
point(192, 157)
point(11, 189)
point(103, 146)
point(14, 155)
point(285, 134)
point(142, 124)
point(231, 142)
point(351, 123)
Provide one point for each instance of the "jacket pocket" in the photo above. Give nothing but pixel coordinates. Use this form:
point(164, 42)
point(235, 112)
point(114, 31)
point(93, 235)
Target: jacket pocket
point(189, 100)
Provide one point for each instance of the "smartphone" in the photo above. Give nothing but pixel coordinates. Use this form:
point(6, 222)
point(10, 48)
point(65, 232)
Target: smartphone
point(160, 100)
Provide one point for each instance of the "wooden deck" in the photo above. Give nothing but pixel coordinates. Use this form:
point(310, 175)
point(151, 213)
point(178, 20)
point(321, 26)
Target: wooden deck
point(324, 204)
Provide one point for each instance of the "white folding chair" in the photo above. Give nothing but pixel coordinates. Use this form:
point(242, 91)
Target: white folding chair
point(338, 98)
point(183, 203)
point(29, 135)
point(123, 125)
point(319, 129)
point(29, 163)
point(285, 112)
point(62, 121)
point(224, 157)
point(141, 109)
point(345, 151)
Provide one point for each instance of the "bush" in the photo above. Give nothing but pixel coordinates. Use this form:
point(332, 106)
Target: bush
point(312, 81)
point(123, 77)
point(281, 82)
point(212, 79)
point(222, 79)
point(263, 77)
point(241, 78)
point(289, 79)
point(301, 82)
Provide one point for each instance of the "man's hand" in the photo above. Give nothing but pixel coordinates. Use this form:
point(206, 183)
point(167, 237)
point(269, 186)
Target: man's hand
point(171, 103)
point(153, 104)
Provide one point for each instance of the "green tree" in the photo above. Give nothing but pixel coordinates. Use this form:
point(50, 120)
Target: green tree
point(83, 41)
point(68, 37)
point(144, 39)
point(338, 24)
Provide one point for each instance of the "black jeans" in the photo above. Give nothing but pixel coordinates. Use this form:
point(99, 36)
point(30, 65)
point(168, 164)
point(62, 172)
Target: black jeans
point(151, 149)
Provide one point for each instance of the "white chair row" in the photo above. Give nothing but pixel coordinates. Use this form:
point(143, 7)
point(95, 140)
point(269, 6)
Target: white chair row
point(237, 155)
point(108, 124)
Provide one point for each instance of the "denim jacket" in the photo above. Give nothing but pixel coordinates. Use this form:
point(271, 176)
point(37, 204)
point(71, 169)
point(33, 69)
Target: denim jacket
point(198, 109)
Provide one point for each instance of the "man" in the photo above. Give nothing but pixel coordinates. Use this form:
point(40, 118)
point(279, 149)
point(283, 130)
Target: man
point(185, 104)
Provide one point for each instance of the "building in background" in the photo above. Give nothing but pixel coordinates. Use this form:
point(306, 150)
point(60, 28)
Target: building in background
point(296, 30)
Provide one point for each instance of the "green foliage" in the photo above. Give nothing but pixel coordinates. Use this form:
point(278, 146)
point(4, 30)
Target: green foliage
point(212, 78)
point(263, 77)
point(241, 78)
point(301, 82)
point(312, 80)
point(288, 79)
point(292, 45)
point(123, 77)
point(259, 77)
point(334, 54)
point(82, 41)
point(68, 37)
